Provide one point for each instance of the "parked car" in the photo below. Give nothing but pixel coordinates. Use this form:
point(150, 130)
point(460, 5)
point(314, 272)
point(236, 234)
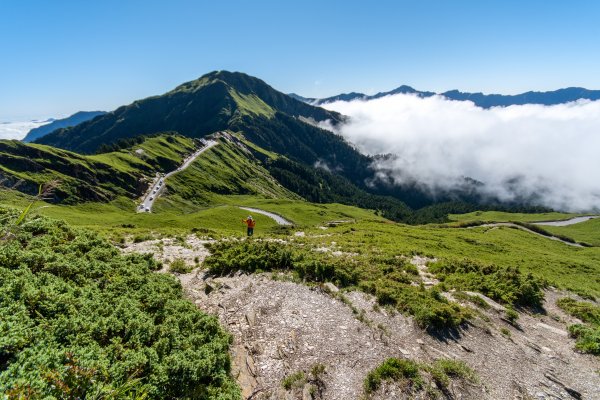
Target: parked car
point(147, 209)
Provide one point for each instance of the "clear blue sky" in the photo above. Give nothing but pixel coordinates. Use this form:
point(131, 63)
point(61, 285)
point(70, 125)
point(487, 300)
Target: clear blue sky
point(61, 56)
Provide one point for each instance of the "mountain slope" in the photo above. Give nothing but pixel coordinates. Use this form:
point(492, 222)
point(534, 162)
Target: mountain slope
point(72, 120)
point(211, 103)
point(481, 100)
point(102, 177)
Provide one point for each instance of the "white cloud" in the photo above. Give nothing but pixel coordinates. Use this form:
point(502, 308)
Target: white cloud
point(18, 130)
point(551, 151)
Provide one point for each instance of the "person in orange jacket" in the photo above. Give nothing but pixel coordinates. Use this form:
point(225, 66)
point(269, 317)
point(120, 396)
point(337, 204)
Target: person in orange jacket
point(251, 224)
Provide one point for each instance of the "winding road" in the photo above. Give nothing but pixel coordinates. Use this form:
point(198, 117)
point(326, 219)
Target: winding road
point(158, 185)
point(566, 222)
point(277, 218)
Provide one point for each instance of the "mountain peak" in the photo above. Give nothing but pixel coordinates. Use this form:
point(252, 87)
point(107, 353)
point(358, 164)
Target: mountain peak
point(215, 101)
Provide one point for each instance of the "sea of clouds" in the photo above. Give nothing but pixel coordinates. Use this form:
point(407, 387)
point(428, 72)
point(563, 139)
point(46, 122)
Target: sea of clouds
point(18, 130)
point(551, 153)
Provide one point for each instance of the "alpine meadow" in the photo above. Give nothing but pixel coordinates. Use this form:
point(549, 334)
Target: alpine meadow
point(233, 239)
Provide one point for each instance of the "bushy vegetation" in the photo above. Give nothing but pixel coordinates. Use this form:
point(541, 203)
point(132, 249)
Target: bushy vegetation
point(588, 335)
point(80, 320)
point(413, 375)
point(505, 284)
point(390, 279)
point(394, 369)
point(179, 265)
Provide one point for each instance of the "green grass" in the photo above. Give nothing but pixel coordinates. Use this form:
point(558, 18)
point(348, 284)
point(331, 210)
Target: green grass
point(82, 178)
point(251, 104)
point(413, 376)
point(394, 369)
point(575, 269)
point(296, 379)
point(587, 232)
point(568, 267)
point(587, 334)
point(499, 216)
point(224, 170)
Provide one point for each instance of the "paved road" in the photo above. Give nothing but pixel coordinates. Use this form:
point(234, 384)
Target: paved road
point(566, 222)
point(158, 185)
point(277, 218)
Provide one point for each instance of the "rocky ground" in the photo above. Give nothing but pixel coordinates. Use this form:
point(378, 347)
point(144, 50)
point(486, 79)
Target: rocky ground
point(281, 328)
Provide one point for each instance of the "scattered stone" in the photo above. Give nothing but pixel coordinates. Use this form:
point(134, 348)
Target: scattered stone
point(558, 331)
point(331, 287)
point(251, 318)
point(307, 392)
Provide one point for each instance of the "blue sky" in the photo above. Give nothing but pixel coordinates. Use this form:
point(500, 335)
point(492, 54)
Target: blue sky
point(62, 56)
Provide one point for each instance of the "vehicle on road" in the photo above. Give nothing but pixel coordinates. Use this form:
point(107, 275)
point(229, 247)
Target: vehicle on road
point(147, 209)
point(151, 197)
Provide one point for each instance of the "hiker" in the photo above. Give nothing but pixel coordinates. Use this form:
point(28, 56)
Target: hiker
point(251, 223)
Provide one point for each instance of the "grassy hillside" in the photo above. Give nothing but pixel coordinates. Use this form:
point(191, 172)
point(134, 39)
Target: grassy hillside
point(501, 216)
point(227, 169)
point(89, 178)
point(588, 231)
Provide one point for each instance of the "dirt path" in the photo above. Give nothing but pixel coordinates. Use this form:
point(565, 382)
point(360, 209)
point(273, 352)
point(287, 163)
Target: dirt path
point(276, 217)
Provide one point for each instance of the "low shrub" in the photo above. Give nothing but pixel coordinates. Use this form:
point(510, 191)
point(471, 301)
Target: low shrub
point(389, 279)
point(394, 369)
point(507, 285)
point(587, 335)
point(511, 316)
point(296, 379)
point(180, 266)
point(80, 320)
point(411, 375)
point(588, 338)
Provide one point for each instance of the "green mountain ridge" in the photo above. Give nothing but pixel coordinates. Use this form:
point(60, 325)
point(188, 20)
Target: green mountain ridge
point(211, 103)
point(24, 167)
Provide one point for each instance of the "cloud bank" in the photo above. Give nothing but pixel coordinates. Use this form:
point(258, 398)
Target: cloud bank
point(18, 130)
point(551, 153)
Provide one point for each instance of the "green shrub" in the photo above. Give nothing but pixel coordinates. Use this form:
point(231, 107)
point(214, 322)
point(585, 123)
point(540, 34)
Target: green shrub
point(180, 266)
point(507, 285)
point(442, 371)
point(588, 336)
point(296, 379)
point(585, 311)
point(394, 369)
point(389, 279)
point(511, 315)
point(249, 256)
point(71, 302)
point(454, 369)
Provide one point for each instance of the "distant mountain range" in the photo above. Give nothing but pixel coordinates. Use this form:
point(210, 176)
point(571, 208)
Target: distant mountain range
point(55, 124)
point(482, 100)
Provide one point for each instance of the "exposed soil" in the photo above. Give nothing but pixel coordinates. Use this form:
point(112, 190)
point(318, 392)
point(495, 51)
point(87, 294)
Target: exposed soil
point(281, 327)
